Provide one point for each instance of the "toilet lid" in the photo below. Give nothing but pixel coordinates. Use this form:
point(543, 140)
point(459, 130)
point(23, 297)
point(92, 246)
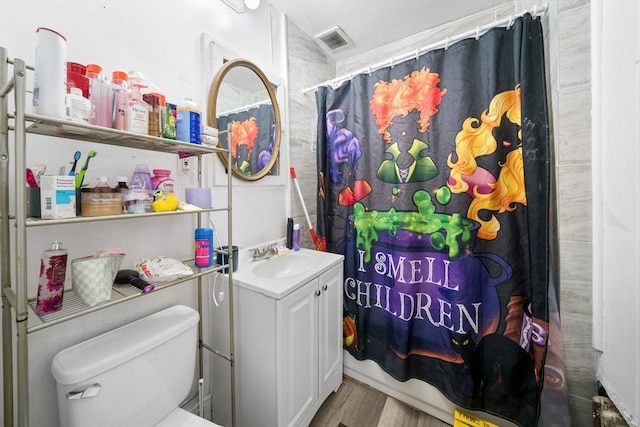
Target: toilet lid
point(181, 418)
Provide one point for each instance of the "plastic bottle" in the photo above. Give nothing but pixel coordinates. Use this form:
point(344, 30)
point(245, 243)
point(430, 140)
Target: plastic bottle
point(120, 85)
point(204, 247)
point(295, 237)
point(137, 111)
point(289, 233)
point(50, 74)
point(122, 183)
point(53, 270)
point(100, 95)
point(162, 112)
point(155, 114)
point(122, 188)
point(169, 128)
point(162, 181)
point(139, 196)
point(77, 77)
point(188, 122)
point(141, 178)
point(78, 107)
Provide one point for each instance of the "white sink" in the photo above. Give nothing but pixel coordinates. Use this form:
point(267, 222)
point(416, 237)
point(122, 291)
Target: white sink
point(282, 274)
point(292, 264)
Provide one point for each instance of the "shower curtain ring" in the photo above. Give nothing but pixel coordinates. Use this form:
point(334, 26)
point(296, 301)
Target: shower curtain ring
point(446, 44)
point(417, 53)
point(477, 33)
point(510, 22)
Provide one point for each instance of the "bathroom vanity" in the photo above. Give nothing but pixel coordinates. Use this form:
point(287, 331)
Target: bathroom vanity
point(288, 331)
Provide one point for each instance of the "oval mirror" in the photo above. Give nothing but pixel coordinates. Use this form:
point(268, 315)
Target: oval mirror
point(242, 105)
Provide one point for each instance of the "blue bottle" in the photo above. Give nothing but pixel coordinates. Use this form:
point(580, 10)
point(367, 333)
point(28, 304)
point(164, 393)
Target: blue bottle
point(204, 247)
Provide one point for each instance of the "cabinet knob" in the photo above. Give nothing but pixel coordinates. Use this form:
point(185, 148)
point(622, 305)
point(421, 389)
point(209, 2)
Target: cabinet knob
point(318, 293)
point(324, 288)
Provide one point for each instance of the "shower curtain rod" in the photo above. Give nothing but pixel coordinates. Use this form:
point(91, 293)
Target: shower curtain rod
point(244, 108)
point(443, 43)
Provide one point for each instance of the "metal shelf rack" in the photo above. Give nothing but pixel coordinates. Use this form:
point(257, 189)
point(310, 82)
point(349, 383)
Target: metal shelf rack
point(16, 307)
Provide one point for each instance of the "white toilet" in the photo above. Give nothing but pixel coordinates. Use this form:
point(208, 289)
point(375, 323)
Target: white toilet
point(133, 376)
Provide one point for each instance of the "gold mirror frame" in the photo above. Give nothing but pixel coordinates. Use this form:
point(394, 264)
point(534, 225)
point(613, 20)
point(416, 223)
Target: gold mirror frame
point(212, 119)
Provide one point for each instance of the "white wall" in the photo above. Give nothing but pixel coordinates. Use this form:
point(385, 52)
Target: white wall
point(616, 223)
point(163, 40)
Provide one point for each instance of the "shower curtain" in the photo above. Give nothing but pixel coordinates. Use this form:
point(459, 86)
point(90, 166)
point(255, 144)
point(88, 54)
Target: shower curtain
point(434, 183)
point(252, 137)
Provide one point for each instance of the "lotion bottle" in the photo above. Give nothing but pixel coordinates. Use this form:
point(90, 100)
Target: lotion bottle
point(136, 111)
point(53, 269)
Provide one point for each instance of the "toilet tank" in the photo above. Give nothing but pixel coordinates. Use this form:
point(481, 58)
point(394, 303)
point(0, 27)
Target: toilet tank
point(131, 376)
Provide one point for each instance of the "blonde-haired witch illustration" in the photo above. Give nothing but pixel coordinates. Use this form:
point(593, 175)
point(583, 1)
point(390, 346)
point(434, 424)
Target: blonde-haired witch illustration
point(476, 139)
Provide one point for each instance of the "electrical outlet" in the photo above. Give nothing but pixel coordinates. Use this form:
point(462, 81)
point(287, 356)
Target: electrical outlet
point(185, 164)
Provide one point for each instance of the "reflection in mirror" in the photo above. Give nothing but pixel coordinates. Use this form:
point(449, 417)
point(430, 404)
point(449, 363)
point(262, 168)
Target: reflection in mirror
point(243, 107)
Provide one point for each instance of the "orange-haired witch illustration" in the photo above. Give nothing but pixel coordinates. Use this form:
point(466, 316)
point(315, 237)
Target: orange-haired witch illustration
point(401, 107)
point(243, 136)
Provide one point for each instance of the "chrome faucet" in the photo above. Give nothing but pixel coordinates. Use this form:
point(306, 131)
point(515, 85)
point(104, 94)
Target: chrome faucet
point(265, 253)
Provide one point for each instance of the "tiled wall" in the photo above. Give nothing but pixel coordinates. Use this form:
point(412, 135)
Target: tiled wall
point(570, 54)
point(568, 36)
point(308, 66)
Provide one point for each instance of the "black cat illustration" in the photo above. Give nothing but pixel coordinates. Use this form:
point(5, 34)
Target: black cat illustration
point(502, 372)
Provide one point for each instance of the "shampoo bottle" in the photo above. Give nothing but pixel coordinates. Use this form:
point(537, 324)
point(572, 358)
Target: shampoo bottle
point(53, 269)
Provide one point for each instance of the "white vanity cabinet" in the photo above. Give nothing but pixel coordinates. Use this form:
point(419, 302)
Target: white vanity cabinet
point(288, 350)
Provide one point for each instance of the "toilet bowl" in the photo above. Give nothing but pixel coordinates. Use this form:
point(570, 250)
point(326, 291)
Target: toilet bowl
point(133, 376)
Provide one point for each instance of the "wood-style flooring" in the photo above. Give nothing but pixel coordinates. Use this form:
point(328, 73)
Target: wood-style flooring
point(358, 405)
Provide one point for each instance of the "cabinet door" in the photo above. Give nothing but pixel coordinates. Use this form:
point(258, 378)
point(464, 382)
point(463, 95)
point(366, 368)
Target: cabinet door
point(330, 330)
point(298, 354)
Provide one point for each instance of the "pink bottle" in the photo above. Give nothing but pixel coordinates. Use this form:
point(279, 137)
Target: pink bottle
point(119, 81)
point(53, 270)
point(162, 181)
point(100, 96)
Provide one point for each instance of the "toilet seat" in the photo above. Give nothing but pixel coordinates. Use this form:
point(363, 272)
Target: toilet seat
point(181, 418)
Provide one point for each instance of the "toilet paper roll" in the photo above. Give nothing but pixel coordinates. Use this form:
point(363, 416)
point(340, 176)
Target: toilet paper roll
point(200, 197)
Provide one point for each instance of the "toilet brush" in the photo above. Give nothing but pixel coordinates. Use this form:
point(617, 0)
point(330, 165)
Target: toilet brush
point(314, 239)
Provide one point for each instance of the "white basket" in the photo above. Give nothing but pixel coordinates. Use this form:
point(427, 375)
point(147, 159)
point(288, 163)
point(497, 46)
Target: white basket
point(92, 277)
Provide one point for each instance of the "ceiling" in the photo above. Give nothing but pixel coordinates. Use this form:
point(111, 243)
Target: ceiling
point(373, 23)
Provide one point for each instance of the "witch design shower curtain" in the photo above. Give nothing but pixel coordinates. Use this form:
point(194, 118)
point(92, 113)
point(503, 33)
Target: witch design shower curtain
point(434, 183)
